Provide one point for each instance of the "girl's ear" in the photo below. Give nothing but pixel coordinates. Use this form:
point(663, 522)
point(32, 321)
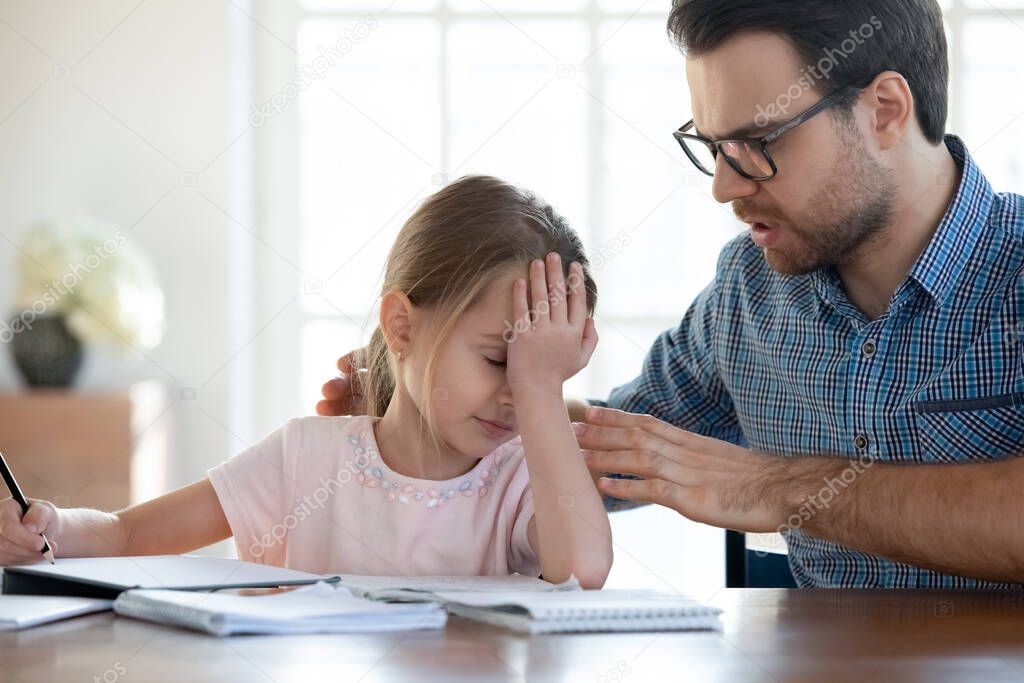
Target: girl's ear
point(396, 316)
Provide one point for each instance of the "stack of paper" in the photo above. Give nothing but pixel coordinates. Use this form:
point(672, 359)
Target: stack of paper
point(320, 608)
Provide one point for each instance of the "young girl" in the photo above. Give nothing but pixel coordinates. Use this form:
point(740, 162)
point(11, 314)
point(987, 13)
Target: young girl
point(485, 312)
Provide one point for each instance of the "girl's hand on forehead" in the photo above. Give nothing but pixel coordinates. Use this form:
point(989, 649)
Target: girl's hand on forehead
point(553, 338)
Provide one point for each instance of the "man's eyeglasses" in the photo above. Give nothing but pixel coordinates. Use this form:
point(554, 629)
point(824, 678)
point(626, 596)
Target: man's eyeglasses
point(747, 156)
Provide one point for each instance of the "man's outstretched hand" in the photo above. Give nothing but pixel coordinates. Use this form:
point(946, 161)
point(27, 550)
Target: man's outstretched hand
point(339, 396)
point(703, 479)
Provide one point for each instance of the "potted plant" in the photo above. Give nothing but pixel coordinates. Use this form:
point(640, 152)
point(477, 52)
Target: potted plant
point(79, 283)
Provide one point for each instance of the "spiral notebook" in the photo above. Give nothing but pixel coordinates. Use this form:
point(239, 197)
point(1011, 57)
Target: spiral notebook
point(585, 611)
point(320, 608)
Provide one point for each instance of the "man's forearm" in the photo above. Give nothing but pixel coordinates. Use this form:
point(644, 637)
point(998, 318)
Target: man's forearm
point(956, 519)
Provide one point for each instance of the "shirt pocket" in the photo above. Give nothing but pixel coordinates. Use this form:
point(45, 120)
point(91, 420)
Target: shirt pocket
point(959, 430)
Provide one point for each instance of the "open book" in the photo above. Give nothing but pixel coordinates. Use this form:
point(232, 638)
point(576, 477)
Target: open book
point(428, 588)
point(590, 610)
point(320, 608)
point(531, 605)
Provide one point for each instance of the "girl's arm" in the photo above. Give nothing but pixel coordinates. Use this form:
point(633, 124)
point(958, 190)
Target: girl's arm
point(569, 531)
point(177, 522)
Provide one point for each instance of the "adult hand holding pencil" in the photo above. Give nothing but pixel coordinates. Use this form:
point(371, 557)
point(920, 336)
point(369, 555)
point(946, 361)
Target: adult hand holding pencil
point(18, 498)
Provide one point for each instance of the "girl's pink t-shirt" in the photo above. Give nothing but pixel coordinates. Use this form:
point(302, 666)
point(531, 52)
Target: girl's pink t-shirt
point(315, 495)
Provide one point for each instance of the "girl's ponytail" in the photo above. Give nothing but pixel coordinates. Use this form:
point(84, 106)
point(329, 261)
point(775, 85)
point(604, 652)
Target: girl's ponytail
point(379, 380)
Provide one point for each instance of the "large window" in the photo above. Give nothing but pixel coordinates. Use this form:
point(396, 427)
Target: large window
point(575, 99)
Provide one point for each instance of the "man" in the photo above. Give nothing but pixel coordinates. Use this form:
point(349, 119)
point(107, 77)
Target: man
point(854, 375)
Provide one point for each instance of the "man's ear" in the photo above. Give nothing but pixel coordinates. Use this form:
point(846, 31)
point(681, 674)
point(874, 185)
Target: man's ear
point(891, 104)
point(396, 318)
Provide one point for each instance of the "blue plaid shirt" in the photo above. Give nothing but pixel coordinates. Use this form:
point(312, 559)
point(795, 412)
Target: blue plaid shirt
point(788, 365)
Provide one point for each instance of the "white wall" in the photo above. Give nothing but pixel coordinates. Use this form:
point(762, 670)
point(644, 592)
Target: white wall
point(106, 107)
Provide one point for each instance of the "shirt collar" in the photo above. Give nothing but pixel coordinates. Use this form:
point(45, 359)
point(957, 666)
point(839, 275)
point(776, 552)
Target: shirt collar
point(947, 255)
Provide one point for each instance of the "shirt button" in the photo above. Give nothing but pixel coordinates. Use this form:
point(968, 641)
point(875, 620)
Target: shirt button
point(869, 348)
point(861, 442)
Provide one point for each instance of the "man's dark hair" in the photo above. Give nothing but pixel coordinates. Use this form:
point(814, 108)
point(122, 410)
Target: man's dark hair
point(906, 36)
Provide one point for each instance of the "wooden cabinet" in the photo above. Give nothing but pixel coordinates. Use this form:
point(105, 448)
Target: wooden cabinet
point(79, 449)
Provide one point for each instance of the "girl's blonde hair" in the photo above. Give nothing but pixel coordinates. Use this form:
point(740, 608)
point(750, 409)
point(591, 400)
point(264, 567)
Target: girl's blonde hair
point(459, 240)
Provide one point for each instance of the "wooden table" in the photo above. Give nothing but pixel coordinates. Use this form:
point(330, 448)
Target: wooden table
point(770, 635)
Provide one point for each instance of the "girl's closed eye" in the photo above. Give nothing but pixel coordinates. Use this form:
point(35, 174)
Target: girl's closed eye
point(498, 363)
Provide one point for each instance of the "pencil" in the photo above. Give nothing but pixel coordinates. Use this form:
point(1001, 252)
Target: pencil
point(12, 484)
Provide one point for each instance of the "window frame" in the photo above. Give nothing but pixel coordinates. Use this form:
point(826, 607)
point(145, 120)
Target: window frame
point(275, 171)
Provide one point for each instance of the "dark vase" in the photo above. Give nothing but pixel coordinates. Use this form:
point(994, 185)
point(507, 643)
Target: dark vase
point(47, 355)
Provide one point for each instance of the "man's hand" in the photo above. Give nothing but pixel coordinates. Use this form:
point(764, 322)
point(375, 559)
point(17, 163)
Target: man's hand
point(890, 510)
point(341, 394)
point(706, 480)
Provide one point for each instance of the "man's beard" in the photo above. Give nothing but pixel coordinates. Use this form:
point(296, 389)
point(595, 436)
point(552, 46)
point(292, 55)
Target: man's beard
point(860, 196)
